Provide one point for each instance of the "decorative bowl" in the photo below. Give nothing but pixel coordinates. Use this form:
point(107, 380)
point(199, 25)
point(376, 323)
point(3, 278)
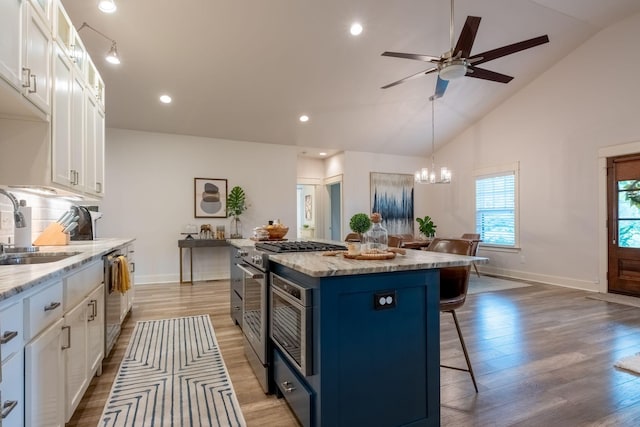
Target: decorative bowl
point(277, 232)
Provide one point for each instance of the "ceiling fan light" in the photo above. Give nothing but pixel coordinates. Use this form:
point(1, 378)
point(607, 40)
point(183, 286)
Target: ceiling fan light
point(452, 71)
point(112, 56)
point(107, 6)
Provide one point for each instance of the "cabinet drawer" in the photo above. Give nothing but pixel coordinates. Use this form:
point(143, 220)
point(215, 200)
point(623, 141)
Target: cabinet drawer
point(12, 391)
point(294, 390)
point(11, 330)
point(42, 309)
point(81, 283)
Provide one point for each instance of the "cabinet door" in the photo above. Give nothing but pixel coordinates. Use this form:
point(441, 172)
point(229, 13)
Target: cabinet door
point(77, 143)
point(95, 331)
point(61, 118)
point(91, 107)
point(75, 356)
point(12, 388)
point(36, 78)
point(44, 379)
point(11, 44)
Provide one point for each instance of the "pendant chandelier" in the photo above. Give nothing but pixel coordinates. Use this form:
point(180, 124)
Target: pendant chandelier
point(426, 175)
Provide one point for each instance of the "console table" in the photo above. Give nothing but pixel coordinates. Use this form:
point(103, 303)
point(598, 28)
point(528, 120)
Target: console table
point(196, 243)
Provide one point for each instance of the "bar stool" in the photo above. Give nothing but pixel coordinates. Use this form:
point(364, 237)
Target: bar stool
point(454, 282)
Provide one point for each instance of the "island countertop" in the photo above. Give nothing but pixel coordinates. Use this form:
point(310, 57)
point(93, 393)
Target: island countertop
point(315, 264)
point(15, 279)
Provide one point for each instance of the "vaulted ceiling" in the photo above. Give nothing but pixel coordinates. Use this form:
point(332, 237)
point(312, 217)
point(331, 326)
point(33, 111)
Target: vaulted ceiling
point(247, 69)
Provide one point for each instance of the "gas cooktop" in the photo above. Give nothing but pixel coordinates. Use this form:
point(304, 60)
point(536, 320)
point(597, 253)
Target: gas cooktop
point(298, 246)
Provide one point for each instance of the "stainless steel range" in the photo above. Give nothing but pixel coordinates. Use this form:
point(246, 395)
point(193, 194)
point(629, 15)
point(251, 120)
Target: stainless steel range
point(255, 318)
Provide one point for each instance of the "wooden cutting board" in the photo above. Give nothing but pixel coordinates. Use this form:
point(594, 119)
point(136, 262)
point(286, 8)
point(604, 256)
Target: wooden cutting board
point(364, 257)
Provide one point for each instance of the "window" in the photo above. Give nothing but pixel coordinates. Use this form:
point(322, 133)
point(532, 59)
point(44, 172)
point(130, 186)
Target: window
point(497, 206)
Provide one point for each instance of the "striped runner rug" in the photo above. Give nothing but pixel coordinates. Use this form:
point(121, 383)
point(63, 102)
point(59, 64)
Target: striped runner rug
point(173, 375)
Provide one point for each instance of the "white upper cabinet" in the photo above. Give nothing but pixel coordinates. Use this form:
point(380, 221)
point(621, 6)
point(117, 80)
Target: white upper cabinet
point(11, 22)
point(36, 75)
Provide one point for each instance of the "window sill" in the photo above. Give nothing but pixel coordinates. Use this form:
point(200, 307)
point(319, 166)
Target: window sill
point(496, 248)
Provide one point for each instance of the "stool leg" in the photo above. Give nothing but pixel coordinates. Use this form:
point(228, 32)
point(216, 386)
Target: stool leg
point(464, 349)
point(476, 267)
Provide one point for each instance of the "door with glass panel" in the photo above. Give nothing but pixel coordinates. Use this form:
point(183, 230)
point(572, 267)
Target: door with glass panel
point(623, 199)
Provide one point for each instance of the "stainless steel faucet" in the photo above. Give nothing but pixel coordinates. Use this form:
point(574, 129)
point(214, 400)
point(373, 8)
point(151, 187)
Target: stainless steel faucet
point(18, 218)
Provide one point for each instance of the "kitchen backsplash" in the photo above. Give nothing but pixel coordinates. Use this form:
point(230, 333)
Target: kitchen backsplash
point(43, 212)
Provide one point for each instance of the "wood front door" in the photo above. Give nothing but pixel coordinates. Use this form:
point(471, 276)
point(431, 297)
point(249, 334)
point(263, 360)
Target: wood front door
point(623, 202)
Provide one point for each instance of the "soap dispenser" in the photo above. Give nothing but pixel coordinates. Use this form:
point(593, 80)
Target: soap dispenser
point(23, 238)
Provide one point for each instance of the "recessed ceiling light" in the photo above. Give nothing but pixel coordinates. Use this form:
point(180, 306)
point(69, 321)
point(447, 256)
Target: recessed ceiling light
point(304, 118)
point(107, 6)
point(322, 153)
point(356, 29)
point(165, 99)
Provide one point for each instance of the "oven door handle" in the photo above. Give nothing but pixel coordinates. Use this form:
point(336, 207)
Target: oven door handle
point(256, 274)
point(290, 299)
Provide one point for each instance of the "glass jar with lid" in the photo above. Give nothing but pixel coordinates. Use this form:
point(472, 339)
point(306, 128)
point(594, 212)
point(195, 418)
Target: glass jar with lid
point(376, 240)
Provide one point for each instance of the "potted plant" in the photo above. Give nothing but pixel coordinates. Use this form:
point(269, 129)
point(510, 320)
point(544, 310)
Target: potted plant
point(360, 223)
point(236, 204)
point(426, 226)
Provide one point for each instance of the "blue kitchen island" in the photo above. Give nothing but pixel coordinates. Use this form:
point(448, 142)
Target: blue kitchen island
point(365, 349)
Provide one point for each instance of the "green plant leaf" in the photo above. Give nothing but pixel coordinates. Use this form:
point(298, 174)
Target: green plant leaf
point(236, 201)
point(360, 223)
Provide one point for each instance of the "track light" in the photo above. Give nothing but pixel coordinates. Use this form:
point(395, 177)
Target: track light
point(112, 56)
point(107, 6)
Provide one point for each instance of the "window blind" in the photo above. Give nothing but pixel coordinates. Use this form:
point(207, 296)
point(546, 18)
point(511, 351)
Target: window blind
point(496, 209)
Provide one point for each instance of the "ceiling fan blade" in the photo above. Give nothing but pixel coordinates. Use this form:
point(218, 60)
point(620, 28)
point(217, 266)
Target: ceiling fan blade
point(481, 73)
point(411, 77)
point(417, 57)
point(441, 86)
point(507, 50)
point(467, 37)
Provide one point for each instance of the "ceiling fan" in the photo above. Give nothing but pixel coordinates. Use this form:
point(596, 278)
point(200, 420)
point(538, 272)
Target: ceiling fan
point(459, 62)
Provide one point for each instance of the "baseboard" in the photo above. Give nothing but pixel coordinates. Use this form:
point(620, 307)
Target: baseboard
point(566, 282)
point(152, 279)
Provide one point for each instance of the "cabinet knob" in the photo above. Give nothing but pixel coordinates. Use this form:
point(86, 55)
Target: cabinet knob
point(52, 306)
point(8, 336)
point(288, 386)
point(7, 407)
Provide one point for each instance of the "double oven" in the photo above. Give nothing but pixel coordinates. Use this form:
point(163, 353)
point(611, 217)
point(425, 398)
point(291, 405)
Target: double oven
point(276, 311)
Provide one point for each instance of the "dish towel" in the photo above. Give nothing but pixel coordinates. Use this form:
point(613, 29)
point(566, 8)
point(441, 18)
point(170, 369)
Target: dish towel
point(123, 282)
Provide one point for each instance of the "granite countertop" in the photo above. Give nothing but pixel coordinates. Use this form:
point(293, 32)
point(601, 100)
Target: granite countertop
point(240, 243)
point(15, 279)
point(317, 265)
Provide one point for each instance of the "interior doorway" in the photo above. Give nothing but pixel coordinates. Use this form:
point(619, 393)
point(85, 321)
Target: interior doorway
point(333, 211)
point(308, 201)
point(623, 209)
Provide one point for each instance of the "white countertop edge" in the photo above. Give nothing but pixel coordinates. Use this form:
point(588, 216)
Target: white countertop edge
point(315, 264)
point(15, 279)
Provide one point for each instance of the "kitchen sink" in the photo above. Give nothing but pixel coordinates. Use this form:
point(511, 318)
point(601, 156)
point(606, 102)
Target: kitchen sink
point(34, 257)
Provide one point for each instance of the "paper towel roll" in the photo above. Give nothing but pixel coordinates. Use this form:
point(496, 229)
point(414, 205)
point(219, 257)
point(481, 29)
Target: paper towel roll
point(23, 235)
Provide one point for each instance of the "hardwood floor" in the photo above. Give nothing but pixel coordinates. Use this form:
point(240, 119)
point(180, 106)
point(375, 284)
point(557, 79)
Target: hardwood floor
point(542, 355)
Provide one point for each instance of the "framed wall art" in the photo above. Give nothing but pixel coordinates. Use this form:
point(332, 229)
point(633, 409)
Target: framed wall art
point(210, 198)
point(308, 207)
point(392, 197)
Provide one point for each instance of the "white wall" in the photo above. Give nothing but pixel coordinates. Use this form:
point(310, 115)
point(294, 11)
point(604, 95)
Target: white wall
point(554, 128)
point(150, 194)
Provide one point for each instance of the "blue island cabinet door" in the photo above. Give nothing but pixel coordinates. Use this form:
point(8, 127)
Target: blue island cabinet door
point(388, 358)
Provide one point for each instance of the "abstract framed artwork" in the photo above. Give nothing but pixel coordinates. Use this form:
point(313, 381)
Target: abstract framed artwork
point(392, 197)
point(308, 207)
point(210, 198)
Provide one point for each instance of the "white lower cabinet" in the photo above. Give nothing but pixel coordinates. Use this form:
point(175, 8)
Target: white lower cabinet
point(74, 345)
point(63, 353)
point(95, 330)
point(44, 378)
point(12, 351)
